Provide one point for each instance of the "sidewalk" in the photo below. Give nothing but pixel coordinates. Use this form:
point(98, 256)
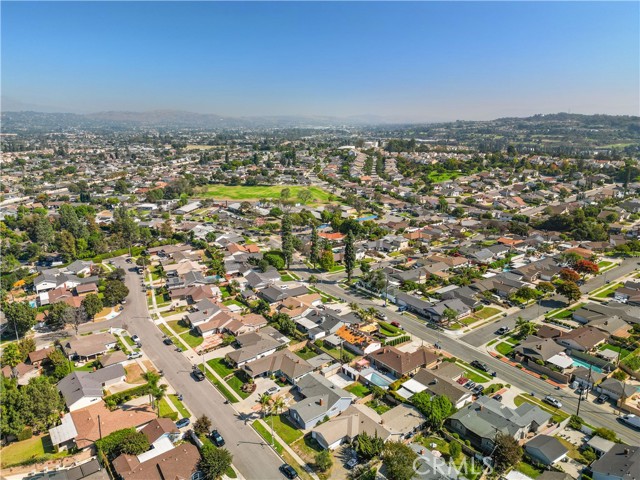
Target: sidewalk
point(289, 450)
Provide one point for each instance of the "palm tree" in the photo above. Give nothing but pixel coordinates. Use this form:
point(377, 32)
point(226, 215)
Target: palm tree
point(265, 403)
point(370, 313)
point(278, 405)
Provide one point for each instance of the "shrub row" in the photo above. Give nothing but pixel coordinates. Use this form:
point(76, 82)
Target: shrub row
point(118, 398)
point(396, 341)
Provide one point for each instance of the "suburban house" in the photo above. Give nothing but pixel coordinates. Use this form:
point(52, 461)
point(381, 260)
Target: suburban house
point(545, 450)
point(438, 381)
point(80, 427)
point(480, 421)
point(622, 462)
point(80, 389)
point(436, 313)
point(321, 399)
point(357, 341)
point(89, 347)
point(399, 363)
point(629, 293)
point(180, 462)
point(583, 339)
point(255, 345)
point(413, 304)
point(615, 389)
point(586, 378)
point(535, 348)
point(396, 424)
point(162, 433)
point(281, 364)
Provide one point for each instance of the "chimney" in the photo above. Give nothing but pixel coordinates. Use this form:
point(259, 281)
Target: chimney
point(538, 347)
point(627, 451)
point(321, 402)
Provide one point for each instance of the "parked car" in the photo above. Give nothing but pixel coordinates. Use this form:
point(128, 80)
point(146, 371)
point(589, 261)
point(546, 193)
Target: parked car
point(167, 341)
point(288, 471)
point(602, 398)
point(503, 330)
point(273, 390)
point(135, 338)
point(478, 389)
point(381, 316)
point(480, 366)
point(396, 324)
point(470, 384)
point(552, 401)
point(134, 355)
point(184, 422)
point(197, 373)
point(402, 309)
point(630, 420)
point(497, 397)
point(216, 438)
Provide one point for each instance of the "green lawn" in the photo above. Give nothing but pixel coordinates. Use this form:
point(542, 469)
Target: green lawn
point(437, 177)
point(306, 353)
point(358, 389)
point(486, 312)
point(235, 383)
point(219, 365)
point(167, 332)
point(222, 388)
point(34, 447)
point(266, 434)
point(528, 469)
point(504, 348)
point(287, 278)
point(129, 340)
point(192, 340)
point(607, 292)
point(378, 406)
point(165, 409)
point(242, 192)
point(473, 373)
point(184, 413)
point(284, 428)
point(179, 326)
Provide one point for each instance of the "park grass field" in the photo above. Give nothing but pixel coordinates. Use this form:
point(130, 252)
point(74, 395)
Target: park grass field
point(241, 192)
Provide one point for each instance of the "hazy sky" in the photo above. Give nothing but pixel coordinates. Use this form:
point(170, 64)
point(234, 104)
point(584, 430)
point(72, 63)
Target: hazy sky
point(404, 61)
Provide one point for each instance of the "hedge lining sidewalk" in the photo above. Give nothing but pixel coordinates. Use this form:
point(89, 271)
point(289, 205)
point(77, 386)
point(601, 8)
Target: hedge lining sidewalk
point(291, 452)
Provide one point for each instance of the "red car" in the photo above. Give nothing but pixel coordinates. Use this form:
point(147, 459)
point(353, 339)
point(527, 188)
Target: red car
point(396, 324)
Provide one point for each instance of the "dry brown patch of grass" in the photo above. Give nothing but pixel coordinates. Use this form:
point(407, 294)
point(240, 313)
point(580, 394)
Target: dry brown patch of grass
point(134, 373)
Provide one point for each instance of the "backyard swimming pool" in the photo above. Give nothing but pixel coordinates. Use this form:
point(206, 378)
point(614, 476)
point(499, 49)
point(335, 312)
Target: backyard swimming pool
point(378, 380)
point(581, 363)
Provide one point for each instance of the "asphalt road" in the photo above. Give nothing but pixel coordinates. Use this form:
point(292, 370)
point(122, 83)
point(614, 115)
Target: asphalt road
point(592, 413)
point(482, 335)
point(251, 456)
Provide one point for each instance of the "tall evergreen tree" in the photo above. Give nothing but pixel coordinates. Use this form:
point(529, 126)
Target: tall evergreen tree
point(286, 235)
point(349, 255)
point(314, 254)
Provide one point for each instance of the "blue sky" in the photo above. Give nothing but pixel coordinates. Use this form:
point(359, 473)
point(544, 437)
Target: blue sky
point(403, 61)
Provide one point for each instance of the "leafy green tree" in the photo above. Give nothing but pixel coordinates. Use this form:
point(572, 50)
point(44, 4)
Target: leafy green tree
point(570, 291)
point(92, 305)
point(20, 316)
point(449, 315)
point(11, 355)
point(115, 292)
point(606, 433)
point(127, 440)
point(57, 365)
point(304, 195)
point(324, 461)
point(284, 323)
point(214, 462)
point(43, 232)
point(524, 328)
point(507, 453)
point(42, 403)
point(398, 460)
point(326, 260)
point(26, 346)
point(435, 409)
point(275, 258)
point(66, 245)
point(368, 446)
point(12, 421)
point(57, 315)
point(349, 255)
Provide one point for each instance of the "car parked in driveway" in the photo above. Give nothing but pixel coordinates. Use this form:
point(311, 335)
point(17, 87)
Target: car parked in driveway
point(183, 422)
point(273, 390)
point(602, 398)
point(134, 355)
point(288, 471)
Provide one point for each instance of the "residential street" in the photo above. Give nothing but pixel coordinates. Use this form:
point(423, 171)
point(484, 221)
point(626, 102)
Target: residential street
point(251, 456)
point(589, 411)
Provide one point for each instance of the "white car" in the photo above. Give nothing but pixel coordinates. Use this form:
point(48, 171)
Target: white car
point(134, 355)
point(553, 401)
point(135, 338)
point(273, 390)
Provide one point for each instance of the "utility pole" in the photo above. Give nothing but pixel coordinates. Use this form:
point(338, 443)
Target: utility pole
point(586, 392)
point(100, 427)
